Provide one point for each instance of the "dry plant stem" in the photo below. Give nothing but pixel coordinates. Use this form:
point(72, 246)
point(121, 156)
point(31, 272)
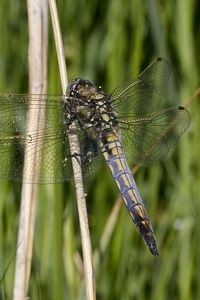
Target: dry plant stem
point(37, 19)
point(74, 148)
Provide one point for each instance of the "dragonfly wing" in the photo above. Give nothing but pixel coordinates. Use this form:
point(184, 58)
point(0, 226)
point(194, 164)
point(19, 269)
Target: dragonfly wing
point(16, 139)
point(148, 129)
point(147, 139)
point(143, 95)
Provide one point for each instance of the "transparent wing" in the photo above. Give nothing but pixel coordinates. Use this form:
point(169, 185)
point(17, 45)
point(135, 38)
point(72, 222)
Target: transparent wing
point(148, 131)
point(55, 153)
point(148, 139)
point(145, 94)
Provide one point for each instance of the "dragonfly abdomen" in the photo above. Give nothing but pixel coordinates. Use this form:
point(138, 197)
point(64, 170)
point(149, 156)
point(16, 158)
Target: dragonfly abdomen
point(115, 158)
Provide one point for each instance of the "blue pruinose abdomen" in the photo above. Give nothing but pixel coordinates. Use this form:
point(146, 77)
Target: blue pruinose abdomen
point(115, 158)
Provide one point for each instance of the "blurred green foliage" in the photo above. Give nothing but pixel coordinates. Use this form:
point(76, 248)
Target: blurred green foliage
point(109, 42)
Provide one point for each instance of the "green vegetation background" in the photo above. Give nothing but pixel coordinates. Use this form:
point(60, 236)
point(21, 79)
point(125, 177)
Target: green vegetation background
point(109, 42)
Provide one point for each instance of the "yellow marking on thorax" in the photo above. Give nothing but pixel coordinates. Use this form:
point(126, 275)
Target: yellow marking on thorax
point(104, 115)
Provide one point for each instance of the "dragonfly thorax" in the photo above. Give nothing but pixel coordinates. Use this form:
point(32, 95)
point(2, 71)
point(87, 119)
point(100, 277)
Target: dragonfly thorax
point(92, 108)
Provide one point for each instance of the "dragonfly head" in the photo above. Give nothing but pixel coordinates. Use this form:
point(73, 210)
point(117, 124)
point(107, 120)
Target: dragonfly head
point(82, 88)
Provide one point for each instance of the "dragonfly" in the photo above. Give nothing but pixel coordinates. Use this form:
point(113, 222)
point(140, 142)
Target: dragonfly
point(130, 125)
